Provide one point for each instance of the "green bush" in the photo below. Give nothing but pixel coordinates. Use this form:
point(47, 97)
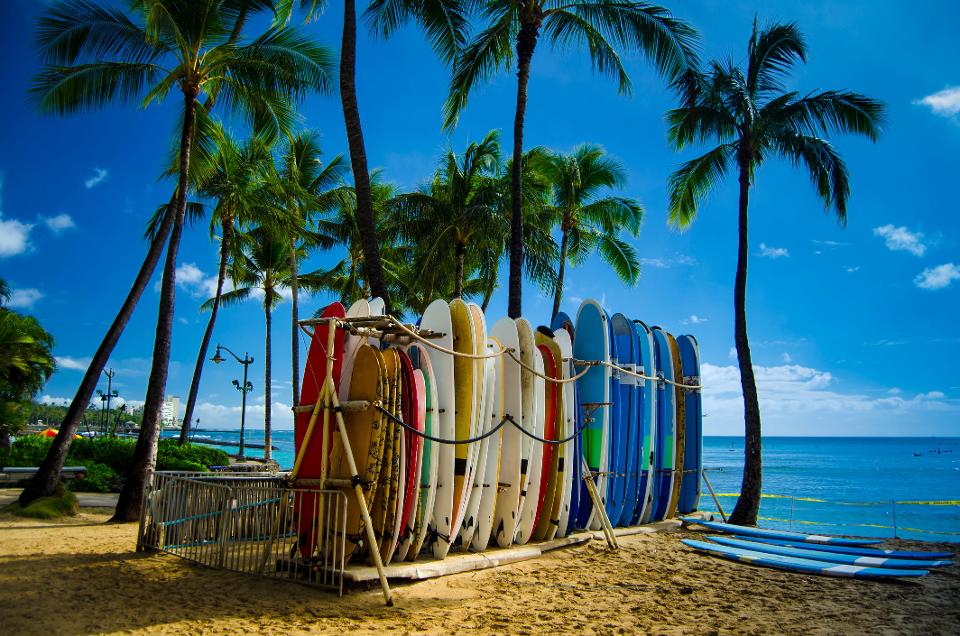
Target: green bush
point(172, 463)
point(29, 450)
point(170, 454)
point(99, 478)
point(115, 452)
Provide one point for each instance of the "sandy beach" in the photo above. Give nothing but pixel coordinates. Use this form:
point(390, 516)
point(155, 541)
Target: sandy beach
point(82, 576)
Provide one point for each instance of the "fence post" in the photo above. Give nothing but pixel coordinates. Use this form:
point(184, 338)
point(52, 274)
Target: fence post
point(893, 507)
point(225, 521)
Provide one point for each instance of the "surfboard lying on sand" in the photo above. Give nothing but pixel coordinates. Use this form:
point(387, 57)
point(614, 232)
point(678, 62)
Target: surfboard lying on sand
point(779, 534)
point(830, 557)
point(872, 552)
point(793, 564)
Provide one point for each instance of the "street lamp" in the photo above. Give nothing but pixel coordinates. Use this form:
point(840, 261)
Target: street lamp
point(105, 399)
point(244, 388)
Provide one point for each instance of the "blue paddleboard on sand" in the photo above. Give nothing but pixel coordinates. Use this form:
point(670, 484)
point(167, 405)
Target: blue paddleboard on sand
point(647, 416)
point(793, 564)
point(746, 531)
point(573, 471)
point(628, 397)
point(693, 454)
point(666, 454)
point(830, 557)
point(871, 552)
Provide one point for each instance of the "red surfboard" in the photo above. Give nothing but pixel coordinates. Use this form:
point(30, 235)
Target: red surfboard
point(311, 467)
point(549, 428)
point(412, 399)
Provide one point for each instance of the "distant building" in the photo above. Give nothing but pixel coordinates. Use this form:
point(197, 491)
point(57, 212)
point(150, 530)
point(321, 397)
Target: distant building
point(170, 411)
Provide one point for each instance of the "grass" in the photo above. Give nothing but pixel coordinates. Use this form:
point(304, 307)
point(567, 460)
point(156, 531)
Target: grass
point(62, 503)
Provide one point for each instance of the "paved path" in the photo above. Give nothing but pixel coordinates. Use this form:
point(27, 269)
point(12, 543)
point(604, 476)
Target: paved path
point(85, 499)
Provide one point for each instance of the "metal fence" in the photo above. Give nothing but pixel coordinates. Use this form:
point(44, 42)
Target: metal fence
point(253, 524)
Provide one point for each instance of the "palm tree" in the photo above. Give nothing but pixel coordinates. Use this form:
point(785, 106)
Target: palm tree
point(752, 116)
point(590, 223)
point(94, 56)
point(305, 187)
point(445, 24)
point(261, 266)
point(602, 24)
point(458, 209)
point(236, 183)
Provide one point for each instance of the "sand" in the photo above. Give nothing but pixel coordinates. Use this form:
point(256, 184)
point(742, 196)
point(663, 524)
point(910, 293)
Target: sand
point(82, 576)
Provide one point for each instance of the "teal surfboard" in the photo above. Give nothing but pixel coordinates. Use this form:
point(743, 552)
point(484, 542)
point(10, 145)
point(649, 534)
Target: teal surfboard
point(830, 557)
point(747, 531)
point(872, 552)
point(792, 564)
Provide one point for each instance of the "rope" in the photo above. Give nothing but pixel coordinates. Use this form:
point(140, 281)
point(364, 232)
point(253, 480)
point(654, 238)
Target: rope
point(512, 354)
point(657, 378)
point(472, 356)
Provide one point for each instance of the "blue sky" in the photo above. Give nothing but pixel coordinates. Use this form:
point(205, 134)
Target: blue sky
point(853, 330)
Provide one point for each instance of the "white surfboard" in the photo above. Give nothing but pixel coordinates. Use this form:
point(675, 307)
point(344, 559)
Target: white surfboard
point(437, 318)
point(480, 474)
point(571, 462)
point(527, 405)
point(491, 473)
point(508, 499)
point(359, 309)
point(377, 307)
point(531, 501)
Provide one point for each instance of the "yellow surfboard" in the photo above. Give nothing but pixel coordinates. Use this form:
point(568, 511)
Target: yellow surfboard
point(385, 505)
point(464, 372)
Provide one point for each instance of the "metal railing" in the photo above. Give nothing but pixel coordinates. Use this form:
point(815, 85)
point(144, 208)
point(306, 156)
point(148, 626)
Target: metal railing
point(254, 524)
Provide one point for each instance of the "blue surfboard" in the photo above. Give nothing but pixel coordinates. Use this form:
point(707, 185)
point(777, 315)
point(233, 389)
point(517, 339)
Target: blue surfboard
point(563, 321)
point(617, 463)
point(665, 456)
point(793, 564)
point(593, 343)
point(647, 416)
point(628, 398)
point(830, 557)
point(746, 531)
point(693, 446)
point(871, 552)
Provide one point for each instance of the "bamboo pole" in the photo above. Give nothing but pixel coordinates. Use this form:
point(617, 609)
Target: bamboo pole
point(605, 524)
point(714, 495)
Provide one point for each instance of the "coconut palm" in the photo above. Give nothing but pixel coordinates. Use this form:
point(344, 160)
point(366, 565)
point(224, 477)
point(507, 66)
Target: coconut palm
point(604, 25)
point(588, 221)
point(752, 116)
point(306, 187)
point(94, 56)
point(238, 185)
point(445, 25)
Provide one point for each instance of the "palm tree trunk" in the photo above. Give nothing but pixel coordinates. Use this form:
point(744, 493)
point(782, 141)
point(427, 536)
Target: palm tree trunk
point(266, 380)
point(488, 293)
point(227, 224)
point(358, 156)
point(145, 453)
point(561, 270)
point(294, 326)
point(748, 505)
point(44, 483)
point(460, 256)
point(526, 43)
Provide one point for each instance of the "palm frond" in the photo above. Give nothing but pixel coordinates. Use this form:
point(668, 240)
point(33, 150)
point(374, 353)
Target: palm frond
point(620, 256)
point(770, 56)
point(827, 170)
point(691, 182)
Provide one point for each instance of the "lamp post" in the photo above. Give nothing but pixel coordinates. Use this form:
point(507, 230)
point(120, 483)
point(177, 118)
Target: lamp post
point(105, 399)
point(244, 388)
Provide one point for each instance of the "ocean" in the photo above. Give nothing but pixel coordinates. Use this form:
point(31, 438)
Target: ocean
point(869, 486)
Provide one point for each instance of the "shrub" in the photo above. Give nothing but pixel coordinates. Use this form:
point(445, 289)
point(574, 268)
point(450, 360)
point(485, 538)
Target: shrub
point(99, 478)
point(29, 450)
point(173, 463)
point(170, 453)
point(61, 503)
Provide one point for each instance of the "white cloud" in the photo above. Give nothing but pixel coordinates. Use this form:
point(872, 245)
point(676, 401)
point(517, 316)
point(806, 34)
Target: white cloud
point(773, 252)
point(797, 400)
point(732, 354)
point(937, 277)
point(14, 237)
point(221, 416)
point(664, 263)
point(829, 243)
point(74, 364)
point(24, 298)
point(695, 320)
point(59, 223)
point(853, 268)
point(786, 358)
point(900, 239)
point(895, 391)
point(56, 401)
point(195, 280)
point(99, 174)
point(945, 103)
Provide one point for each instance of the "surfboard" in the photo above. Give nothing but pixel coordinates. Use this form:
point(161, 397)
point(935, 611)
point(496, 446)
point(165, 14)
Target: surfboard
point(799, 565)
point(465, 401)
point(552, 422)
point(478, 450)
point(871, 552)
point(472, 516)
point(830, 557)
point(311, 466)
point(648, 423)
point(413, 412)
point(563, 323)
point(366, 433)
point(527, 406)
point(665, 455)
point(430, 456)
point(532, 500)
point(765, 533)
point(570, 459)
point(437, 318)
point(491, 455)
point(679, 405)
point(504, 331)
point(388, 503)
point(592, 342)
point(628, 398)
point(690, 487)
point(376, 307)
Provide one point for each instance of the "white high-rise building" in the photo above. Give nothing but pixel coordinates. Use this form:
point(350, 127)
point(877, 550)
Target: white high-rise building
point(170, 411)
